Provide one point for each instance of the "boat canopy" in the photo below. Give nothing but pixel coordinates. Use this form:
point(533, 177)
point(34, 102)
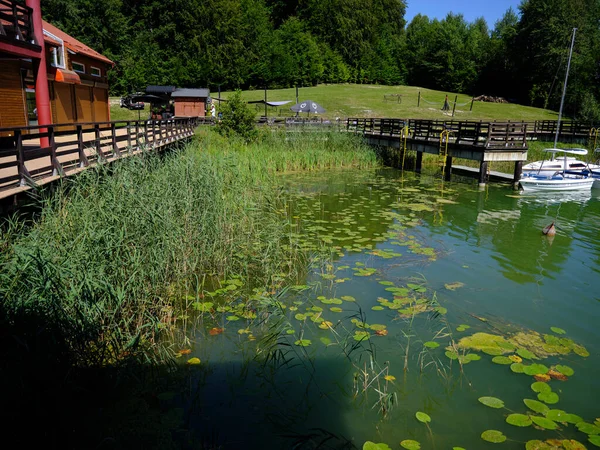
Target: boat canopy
point(572, 151)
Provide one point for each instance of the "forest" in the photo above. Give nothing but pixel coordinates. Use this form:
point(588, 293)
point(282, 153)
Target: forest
point(251, 44)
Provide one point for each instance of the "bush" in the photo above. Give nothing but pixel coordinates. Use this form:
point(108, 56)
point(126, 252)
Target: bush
point(238, 118)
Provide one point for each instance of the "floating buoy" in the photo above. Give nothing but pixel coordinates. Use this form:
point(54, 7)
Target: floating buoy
point(550, 230)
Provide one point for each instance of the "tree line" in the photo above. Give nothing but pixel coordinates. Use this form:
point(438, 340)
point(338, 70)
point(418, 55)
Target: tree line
point(284, 43)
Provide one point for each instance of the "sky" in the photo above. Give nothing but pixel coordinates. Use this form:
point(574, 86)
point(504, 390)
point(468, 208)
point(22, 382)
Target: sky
point(491, 10)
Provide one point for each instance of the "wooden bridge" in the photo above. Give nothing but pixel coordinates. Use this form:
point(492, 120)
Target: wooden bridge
point(36, 155)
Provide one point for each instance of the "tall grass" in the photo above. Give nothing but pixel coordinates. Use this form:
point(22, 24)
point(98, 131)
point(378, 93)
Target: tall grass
point(109, 256)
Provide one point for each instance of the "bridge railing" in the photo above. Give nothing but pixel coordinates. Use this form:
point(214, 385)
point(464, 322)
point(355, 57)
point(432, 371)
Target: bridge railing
point(37, 154)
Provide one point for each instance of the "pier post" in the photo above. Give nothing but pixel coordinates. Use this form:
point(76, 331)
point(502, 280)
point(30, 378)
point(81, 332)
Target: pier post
point(419, 162)
point(518, 173)
point(483, 167)
point(448, 169)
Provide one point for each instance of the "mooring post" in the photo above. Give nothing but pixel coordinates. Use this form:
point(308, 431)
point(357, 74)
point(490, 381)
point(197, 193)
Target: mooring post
point(518, 173)
point(448, 169)
point(419, 101)
point(472, 100)
point(419, 162)
point(454, 107)
point(483, 167)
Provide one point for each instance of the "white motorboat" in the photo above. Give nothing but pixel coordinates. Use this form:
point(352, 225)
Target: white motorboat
point(549, 168)
point(560, 180)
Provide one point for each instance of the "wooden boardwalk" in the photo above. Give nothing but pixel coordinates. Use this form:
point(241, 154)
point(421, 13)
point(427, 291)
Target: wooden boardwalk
point(33, 156)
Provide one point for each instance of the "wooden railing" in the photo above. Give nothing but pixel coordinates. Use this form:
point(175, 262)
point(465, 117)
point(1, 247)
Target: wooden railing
point(15, 21)
point(487, 135)
point(38, 154)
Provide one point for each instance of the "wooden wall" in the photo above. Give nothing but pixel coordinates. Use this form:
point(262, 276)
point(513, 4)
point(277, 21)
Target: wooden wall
point(12, 96)
point(189, 107)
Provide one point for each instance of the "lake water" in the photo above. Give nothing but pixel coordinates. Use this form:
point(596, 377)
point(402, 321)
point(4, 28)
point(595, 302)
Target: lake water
point(406, 260)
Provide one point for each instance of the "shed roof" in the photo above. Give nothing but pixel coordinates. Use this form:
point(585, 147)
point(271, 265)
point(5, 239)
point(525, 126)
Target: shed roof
point(73, 44)
point(187, 92)
point(153, 89)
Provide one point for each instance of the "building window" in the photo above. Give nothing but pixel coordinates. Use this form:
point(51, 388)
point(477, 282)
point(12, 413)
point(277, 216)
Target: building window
point(58, 59)
point(96, 71)
point(78, 67)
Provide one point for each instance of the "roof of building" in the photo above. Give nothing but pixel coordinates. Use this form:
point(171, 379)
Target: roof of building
point(187, 92)
point(51, 41)
point(152, 89)
point(73, 44)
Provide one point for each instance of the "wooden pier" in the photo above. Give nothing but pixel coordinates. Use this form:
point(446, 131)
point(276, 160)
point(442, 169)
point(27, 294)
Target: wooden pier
point(484, 142)
point(37, 155)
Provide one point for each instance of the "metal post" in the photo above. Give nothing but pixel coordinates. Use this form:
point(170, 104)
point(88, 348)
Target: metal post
point(419, 101)
point(448, 169)
point(518, 173)
point(483, 166)
point(419, 162)
point(454, 107)
point(265, 101)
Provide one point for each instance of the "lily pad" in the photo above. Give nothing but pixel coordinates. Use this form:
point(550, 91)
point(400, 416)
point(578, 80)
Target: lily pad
point(377, 308)
point(422, 417)
point(504, 360)
point(557, 415)
point(325, 340)
point(558, 330)
point(452, 355)
point(565, 370)
point(524, 353)
point(537, 445)
point(544, 423)
point(518, 420)
point(493, 436)
point(572, 444)
point(335, 309)
point(594, 440)
point(303, 342)
point(548, 397)
point(535, 369)
point(193, 361)
point(431, 344)
point(540, 387)
point(233, 318)
point(409, 444)
point(581, 351)
point(536, 406)
point(453, 286)
point(492, 402)
point(348, 298)
point(361, 335)
point(517, 367)
point(573, 418)
point(373, 446)
point(588, 428)
point(300, 317)
point(491, 344)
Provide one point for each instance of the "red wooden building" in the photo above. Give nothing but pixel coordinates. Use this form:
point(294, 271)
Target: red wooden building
point(47, 76)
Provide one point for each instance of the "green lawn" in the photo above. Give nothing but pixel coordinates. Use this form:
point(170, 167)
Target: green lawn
point(351, 100)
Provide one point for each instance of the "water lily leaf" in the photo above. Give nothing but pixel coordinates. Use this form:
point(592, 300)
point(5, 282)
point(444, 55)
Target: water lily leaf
point(515, 359)
point(544, 423)
point(377, 308)
point(493, 436)
point(573, 418)
point(539, 387)
point(233, 318)
point(536, 406)
point(377, 327)
point(335, 309)
point(303, 342)
point(422, 417)
point(548, 397)
point(518, 420)
point(594, 440)
point(300, 317)
point(558, 330)
point(409, 444)
point(389, 378)
point(193, 361)
point(581, 351)
point(386, 283)
point(537, 445)
point(492, 402)
point(325, 325)
point(471, 357)
point(215, 331)
point(524, 353)
point(431, 344)
point(348, 298)
point(452, 355)
point(572, 444)
point(517, 367)
point(565, 370)
point(441, 310)
point(535, 369)
point(557, 415)
point(416, 287)
point(373, 446)
point(458, 448)
point(361, 335)
point(291, 331)
point(325, 340)
point(588, 428)
point(502, 360)
point(488, 343)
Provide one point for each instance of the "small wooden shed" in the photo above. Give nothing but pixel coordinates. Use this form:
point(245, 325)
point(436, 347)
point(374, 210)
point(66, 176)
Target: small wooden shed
point(190, 102)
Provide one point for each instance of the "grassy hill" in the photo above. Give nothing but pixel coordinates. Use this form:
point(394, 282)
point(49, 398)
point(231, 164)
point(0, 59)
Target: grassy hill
point(352, 100)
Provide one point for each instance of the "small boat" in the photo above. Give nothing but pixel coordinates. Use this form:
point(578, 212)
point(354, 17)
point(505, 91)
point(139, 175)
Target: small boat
point(563, 179)
point(560, 180)
point(548, 168)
